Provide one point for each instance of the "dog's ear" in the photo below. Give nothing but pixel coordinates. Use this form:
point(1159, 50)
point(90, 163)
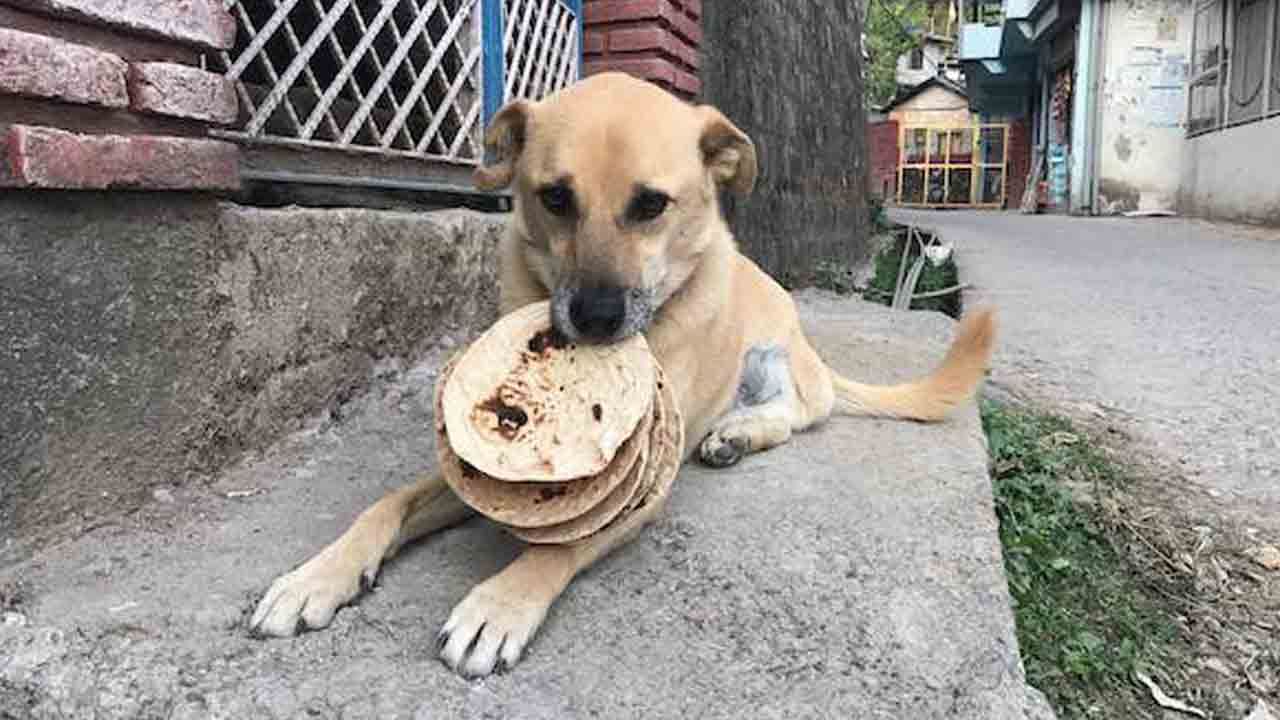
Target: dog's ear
point(503, 143)
point(728, 152)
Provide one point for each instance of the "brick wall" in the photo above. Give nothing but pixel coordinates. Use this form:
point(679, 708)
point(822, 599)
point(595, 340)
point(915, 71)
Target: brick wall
point(1019, 160)
point(98, 95)
point(657, 40)
point(882, 147)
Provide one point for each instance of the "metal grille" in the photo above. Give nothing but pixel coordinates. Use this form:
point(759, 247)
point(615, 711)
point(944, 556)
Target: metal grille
point(540, 44)
point(944, 166)
point(390, 77)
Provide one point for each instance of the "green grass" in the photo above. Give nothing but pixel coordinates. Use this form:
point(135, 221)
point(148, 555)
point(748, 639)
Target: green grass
point(1086, 618)
point(940, 277)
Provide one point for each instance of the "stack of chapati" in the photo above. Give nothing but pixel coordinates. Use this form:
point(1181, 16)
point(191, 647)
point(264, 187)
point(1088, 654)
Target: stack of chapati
point(554, 440)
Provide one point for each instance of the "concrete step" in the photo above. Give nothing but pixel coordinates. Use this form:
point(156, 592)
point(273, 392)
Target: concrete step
point(853, 573)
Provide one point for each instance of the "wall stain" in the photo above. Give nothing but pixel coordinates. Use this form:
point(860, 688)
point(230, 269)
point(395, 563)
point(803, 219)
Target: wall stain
point(1124, 149)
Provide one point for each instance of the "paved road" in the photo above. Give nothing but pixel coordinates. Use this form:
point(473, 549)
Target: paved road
point(1171, 324)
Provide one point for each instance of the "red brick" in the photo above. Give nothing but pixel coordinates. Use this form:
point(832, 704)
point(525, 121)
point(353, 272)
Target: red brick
point(1019, 161)
point(195, 22)
point(604, 12)
point(687, 53)
point(180, 91)
point(42, 157)
point(685, 27)
point(656, 69)
point(610, 11)
point(882, 146)
point(655, 39)
point(638, 38)
point(40, 66)
point(687, 83)
point(593, 42)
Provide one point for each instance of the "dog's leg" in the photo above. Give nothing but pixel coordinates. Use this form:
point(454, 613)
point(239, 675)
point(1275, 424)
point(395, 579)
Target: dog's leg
point(497, 619)
point(308, 597)
point(745, 431)
point(764, 412)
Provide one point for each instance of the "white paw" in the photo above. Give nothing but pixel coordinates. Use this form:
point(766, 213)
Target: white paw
point(488, 631)
point(308, 597)
point(723, 448)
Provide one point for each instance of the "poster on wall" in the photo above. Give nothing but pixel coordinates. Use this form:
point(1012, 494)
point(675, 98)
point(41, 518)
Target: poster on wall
point(1142, 30)
point(1173, 70)
point(1165, 105)
point(1143, 55)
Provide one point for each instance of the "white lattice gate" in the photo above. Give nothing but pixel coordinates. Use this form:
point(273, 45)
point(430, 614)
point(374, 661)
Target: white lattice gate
point(388, 92)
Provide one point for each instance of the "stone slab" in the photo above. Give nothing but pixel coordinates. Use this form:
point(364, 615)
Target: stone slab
point(854, 573)
point(148, 340)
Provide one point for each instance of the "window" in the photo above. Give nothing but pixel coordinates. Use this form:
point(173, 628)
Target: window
point(916, 61)
point(1235, 64)
point(388, 93)
point(1248, 61)
point(1274, 105)
point(1207, 68)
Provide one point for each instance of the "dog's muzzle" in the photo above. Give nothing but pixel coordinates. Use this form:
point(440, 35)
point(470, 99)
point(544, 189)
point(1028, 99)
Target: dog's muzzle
point(600, 314)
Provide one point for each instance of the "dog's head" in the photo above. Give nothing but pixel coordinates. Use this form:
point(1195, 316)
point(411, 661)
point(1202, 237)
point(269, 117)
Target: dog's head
point(615, 184)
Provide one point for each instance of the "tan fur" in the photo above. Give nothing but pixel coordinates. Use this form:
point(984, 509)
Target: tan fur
point(608, 135)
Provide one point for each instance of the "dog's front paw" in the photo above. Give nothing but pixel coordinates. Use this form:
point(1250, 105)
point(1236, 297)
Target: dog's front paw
point(488, 631)
point(720, 451)
point(307, 598)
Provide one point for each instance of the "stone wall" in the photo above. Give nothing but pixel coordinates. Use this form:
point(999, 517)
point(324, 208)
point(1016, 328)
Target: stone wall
point(98, 95)
point(1142, 106)
point(149, 339)
point(1231, 174)
point(789, 74)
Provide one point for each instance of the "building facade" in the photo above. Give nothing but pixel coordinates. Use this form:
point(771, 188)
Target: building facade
point(1139, 106)
point(934, 57)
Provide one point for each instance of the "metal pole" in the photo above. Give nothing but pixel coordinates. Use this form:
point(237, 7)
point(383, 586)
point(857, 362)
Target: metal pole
point(1082, 119)
point(492, 58)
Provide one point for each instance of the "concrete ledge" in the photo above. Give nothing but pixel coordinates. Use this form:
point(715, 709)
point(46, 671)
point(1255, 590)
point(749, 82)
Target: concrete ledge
point(147, 341)
point(855, 573)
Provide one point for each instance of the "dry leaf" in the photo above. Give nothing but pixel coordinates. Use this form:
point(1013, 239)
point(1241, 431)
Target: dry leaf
point(1268, 556)
point(233, 494)
point(1217, 665)
point(1261, 712)
point(1164, 700)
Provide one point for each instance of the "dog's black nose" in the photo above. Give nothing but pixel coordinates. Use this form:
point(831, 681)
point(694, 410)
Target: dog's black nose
point(598, 312)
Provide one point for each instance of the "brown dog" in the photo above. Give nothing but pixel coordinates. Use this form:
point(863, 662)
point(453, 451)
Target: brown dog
point(617, 222)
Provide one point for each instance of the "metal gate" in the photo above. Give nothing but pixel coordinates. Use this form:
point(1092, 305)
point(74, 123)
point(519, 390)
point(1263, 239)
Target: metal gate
point(953, 166)
point(387, 92)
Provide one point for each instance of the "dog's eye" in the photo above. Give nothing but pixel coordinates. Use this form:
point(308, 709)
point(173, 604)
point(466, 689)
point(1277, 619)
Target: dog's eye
point(557, 199)
point(648, 205)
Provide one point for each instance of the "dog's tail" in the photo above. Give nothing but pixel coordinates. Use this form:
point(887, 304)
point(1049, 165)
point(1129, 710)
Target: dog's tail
point(934, 397)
